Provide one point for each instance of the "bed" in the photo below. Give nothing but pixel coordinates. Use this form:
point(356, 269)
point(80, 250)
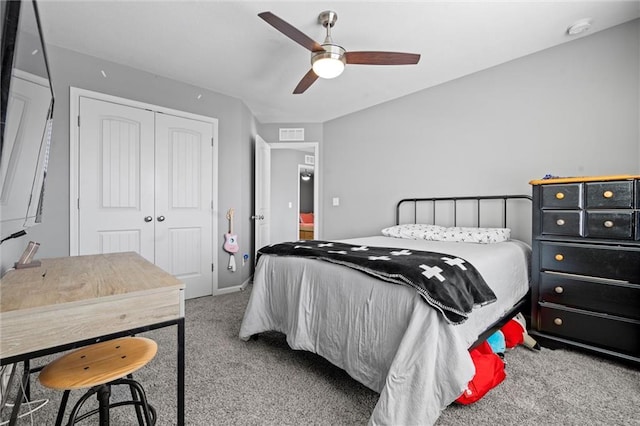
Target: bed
point(384, 335)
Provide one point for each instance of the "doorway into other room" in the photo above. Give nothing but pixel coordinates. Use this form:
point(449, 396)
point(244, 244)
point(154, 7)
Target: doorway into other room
point(306, 210)
point(278, 174)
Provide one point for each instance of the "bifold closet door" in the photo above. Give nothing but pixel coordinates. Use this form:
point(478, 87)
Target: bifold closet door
point(116, 179)
point(183, 200)
point(146, 185)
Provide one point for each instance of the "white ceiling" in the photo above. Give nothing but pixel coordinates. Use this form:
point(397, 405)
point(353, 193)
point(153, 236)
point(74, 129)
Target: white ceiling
point(223, 46)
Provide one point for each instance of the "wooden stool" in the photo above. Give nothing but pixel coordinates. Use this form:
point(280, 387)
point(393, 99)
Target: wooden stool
point(98, 367)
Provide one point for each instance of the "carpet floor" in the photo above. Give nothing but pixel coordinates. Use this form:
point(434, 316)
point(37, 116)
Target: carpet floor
point(263, 382)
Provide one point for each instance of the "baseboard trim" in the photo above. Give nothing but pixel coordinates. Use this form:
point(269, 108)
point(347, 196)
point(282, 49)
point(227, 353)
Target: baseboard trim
point(235, 288)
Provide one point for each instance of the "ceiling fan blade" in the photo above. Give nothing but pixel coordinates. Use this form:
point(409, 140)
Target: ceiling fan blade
point(308, 79)
point(382, 58)
point(290, 31)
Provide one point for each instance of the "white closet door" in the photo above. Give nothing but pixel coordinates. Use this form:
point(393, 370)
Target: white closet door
point(116, 179)
point(183, 208)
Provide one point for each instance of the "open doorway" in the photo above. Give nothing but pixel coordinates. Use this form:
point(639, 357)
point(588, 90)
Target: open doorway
point(306, 207)
point(277, 197)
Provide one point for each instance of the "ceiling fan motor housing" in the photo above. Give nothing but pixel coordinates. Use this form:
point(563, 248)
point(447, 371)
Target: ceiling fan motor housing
point(328, 63)
point(332, 51)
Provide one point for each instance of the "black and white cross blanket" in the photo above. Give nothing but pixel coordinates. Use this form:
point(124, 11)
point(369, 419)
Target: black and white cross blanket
point(450, 284)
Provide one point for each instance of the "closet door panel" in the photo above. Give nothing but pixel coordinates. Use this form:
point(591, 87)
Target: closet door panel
point(184, 179)
point(116, 174)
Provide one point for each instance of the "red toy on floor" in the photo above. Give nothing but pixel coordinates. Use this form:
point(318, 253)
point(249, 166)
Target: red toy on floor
point(489, 374)
point(489, 365)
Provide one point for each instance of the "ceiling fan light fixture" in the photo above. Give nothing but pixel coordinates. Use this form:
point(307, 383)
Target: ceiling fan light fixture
point(306, 174)
point(330, 62)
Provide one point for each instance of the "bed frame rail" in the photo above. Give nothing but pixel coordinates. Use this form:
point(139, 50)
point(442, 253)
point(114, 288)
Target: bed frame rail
point(454, 201)
point(428, 208)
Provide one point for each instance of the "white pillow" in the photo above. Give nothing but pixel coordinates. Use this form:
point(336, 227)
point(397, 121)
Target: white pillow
point(477, 235)
point(415, 231)
point(441, 233)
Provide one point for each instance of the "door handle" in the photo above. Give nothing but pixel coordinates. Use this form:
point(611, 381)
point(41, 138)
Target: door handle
point(160, 218)
point(148, 218)
point(258, 217)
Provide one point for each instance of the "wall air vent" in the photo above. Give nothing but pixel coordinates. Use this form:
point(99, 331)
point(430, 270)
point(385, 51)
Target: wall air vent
point(309, 159)
point(288, 135)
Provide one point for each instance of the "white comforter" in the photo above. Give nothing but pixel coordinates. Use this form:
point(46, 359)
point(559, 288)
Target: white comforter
point(384, 335)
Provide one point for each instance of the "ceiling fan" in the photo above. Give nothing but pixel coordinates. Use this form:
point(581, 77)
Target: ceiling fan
point(329, 59)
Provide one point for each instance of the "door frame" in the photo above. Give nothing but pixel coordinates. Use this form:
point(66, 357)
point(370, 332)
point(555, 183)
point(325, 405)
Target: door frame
point(305, 146)
point(74, 144)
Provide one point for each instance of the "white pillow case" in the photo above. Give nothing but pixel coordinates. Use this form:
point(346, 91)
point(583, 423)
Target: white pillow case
point(440, 233)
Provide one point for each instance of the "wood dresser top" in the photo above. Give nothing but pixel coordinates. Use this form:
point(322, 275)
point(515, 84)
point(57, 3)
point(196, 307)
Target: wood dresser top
point(577, 179)
point(78, 278)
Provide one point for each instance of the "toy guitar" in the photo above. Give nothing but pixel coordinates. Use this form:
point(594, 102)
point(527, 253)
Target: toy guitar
point(230, 239)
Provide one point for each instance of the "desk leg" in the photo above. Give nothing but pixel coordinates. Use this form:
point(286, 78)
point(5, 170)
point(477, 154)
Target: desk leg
point(181, 334)
point(27, 388)
point(24, 384)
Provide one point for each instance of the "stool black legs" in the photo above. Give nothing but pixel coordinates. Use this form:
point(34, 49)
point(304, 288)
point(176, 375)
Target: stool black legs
point(139, 401)
point(104, 392)
point(145, 413)
point(63, 407)
point(81, 401)
point(134, 397)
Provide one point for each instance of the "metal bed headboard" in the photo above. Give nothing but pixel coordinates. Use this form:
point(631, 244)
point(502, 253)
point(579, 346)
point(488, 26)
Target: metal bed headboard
point(439, 200)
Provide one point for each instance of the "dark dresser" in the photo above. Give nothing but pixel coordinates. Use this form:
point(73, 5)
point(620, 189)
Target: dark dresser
point(586, 264)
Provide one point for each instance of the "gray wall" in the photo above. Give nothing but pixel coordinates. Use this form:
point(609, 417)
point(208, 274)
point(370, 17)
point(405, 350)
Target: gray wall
point(571, 110)
point(235, 135)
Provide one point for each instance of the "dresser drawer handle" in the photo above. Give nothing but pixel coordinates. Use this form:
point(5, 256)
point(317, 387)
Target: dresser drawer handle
point(607, 194)
point(608, 224)
point(557, 321)
point(559, 257)
point(559, 195)
point(560, 222)
point(559, 290)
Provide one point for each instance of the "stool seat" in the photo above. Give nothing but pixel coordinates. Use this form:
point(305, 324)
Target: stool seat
point(98, 363)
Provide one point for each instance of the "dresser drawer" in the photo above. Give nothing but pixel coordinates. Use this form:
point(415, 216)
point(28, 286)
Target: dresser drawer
point(615, 194)
point(565, 196)
point(562, 222)
point(606, 297)
point(604, 331)
point(610, 224)
point(620, 263)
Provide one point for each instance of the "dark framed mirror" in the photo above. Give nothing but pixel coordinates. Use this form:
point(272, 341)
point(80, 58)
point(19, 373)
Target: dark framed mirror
point(27, 100)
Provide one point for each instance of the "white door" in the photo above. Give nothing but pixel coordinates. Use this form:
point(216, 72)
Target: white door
point(262, 194)
point(116, 179)
point(145, 185)
point(183, 206)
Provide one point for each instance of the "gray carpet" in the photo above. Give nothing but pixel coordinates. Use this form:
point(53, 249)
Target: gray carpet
point(263, 382)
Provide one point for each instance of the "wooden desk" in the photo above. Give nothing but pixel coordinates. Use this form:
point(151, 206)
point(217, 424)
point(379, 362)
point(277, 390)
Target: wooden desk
point(70, 302)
